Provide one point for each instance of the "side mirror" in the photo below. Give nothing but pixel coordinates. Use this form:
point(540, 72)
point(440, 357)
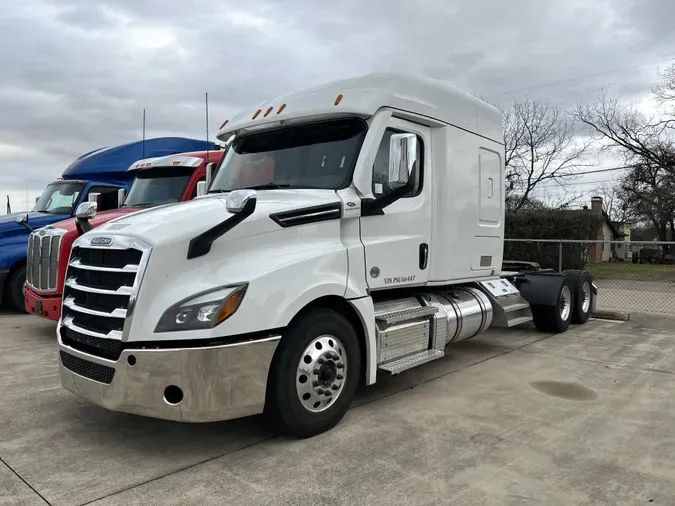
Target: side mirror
point(23, 220)
point(86, 211)
point(201, 188)
point(210, 169)
point(121, 195)
point(237, 200)
point(403, 157)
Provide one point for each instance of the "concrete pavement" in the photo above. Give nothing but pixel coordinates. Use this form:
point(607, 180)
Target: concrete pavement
point(512, 417)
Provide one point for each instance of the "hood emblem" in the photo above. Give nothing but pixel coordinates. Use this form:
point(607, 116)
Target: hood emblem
point(101, 241)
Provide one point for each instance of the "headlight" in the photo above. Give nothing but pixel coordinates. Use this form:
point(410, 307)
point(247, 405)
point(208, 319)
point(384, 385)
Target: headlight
point(202, 311)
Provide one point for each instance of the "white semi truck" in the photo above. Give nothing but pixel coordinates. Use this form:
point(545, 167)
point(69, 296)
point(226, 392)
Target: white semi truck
point(353, 230)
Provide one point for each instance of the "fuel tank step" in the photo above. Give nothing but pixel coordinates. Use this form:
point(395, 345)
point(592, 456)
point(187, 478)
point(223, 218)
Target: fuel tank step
point(405, 363)
point(405, 315)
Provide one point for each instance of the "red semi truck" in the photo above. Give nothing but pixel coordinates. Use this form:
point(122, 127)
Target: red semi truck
point(159, 181)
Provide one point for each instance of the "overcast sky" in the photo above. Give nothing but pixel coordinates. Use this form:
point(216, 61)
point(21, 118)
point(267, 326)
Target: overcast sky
point(75, 75)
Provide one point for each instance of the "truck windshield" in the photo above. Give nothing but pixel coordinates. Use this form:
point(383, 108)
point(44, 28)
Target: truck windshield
point(157, 186)
point(318, 155)
point(59, 198)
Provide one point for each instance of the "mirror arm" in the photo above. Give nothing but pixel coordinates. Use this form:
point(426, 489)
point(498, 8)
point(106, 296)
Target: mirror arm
point(83, 226)
point(373, 207)
point(25, 224)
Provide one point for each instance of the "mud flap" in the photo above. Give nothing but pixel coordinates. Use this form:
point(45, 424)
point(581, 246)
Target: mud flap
point(540, 288)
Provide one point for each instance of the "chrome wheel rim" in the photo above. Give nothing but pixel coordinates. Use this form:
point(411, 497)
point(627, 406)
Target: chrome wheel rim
point(586, 297)
point(565, 303)
point(321, 373)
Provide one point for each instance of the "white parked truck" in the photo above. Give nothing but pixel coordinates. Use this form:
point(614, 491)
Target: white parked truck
point(353, 230)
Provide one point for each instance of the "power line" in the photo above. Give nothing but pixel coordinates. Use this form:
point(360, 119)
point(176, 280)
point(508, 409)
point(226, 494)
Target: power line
point(578, 78)
point(598, 88)
point(583, 173)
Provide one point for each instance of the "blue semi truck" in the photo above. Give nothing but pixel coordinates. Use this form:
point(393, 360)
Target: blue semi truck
point(105, 172)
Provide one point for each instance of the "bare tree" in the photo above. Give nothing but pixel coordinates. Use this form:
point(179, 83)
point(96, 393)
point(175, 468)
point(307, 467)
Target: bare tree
point(647, 191)
point(540, 145)
point(665, 90)
point(625, 130)
point(613, 201)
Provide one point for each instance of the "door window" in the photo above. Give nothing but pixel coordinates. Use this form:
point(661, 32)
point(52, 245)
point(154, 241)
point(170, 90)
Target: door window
point(108, 197)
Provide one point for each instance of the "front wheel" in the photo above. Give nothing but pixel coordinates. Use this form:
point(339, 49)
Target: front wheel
point(314, 375)
point(15, 296)
point(556, 318)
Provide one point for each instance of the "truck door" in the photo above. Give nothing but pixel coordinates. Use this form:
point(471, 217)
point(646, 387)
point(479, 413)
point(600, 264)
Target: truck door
point(397, 242)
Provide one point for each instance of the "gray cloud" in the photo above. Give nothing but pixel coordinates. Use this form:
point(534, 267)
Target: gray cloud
point(78, 73)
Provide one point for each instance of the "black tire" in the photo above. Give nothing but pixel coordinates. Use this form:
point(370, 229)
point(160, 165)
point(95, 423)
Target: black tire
point(577, 280)
point(283, 406)
point(550, 318)
point(14, 290)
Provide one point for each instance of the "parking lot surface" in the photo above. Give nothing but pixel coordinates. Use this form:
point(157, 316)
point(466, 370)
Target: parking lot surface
point(511, 417)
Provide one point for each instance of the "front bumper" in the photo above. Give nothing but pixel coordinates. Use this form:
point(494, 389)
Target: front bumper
point(217, 383)
point(3, 277)
point(46, 307)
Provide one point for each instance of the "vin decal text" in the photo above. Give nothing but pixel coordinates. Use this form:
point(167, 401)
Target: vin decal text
point(399, 279)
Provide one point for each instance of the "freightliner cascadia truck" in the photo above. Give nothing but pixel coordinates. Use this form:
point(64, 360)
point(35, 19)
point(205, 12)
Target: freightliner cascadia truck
point(103, 172)
point(158, 181)
point(353, 230)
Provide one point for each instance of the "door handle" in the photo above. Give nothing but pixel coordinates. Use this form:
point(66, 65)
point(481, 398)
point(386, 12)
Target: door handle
point(424, 255)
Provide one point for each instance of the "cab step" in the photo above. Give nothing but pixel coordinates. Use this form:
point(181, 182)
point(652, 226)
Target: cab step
point(509, 308)
point(406, 315)
point(405, 363)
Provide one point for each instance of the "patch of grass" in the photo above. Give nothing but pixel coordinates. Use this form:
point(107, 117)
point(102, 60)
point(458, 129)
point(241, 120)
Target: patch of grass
point(631, 271)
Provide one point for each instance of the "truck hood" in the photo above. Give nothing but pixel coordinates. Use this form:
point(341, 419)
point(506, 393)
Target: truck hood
point(101, 218)
point(180, 222)
point(9, 226)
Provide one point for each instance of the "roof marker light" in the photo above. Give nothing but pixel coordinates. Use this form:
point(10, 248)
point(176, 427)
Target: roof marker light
point(256, 114)
point(338, 99)
point(177, 162)
point(281, 108)
point(268, 111)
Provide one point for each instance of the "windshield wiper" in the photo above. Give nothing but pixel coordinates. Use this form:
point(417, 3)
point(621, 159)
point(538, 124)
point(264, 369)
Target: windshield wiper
point(141, 204)
point(266, 186)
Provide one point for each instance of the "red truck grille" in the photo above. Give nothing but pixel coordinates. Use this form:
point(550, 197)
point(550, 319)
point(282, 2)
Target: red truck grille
point(42, 264)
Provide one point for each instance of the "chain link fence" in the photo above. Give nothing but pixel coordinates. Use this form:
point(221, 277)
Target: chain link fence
point(637, 276)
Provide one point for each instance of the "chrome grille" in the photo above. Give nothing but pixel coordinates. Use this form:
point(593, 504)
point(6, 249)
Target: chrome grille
point(101, 283)
point(42, 266)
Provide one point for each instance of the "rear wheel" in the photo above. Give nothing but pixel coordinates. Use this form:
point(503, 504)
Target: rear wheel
point(14, 289)
point(314, 375)
point(582, 290)
point(556, 318)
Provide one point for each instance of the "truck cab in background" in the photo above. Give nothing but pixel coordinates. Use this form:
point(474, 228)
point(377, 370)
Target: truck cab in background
point(158, 181)
point(104, 172)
